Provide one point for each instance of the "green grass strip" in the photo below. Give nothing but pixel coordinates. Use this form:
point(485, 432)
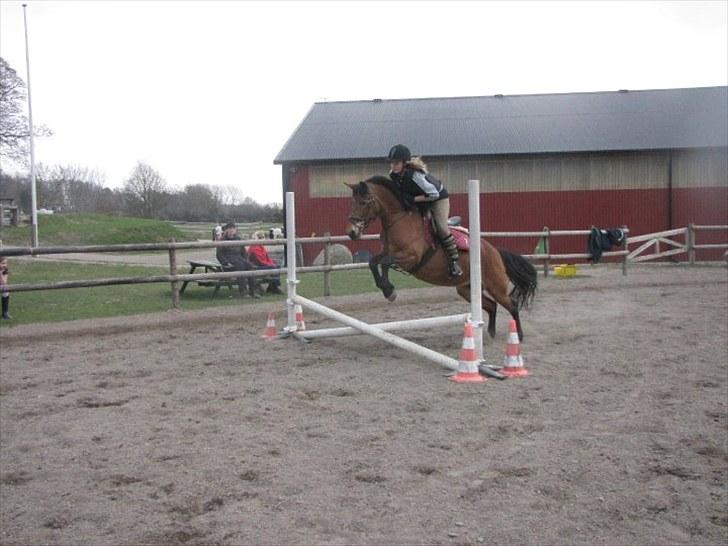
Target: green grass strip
point(93, 229)
point(108, 301)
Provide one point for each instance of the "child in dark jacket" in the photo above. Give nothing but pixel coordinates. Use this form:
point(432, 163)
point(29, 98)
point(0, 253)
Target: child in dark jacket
point(4, 274)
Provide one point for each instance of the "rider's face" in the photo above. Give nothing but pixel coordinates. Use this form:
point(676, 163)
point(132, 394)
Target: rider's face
point(396, 166)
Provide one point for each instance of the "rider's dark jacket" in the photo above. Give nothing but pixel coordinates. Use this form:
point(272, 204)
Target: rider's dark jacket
point(415, 180)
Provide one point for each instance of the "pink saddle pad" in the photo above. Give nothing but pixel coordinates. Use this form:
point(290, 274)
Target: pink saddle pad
point(460, 234)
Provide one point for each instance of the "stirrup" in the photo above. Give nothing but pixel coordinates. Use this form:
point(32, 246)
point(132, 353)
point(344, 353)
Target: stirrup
point(454, 269)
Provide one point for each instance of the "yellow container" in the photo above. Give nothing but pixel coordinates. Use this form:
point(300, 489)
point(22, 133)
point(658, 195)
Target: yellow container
point(565, 270)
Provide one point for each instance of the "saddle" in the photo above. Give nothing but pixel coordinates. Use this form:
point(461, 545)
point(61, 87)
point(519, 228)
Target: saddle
point(458, 232)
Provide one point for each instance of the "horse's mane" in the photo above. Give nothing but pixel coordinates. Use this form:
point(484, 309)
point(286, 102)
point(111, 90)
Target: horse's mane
point(379, 180)
point(384, 181)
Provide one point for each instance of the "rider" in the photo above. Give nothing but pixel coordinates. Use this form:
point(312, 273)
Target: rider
point(421, 188)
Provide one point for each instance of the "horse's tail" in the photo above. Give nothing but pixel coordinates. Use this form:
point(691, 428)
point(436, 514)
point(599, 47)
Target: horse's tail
point(523, 276)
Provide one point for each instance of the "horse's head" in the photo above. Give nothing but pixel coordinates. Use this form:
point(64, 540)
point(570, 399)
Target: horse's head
point(364, 209)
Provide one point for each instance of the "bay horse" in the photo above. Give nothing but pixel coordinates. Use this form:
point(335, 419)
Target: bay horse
point(405, 247)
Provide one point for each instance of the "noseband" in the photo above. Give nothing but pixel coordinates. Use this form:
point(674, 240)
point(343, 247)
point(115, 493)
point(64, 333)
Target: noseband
point(360, 222)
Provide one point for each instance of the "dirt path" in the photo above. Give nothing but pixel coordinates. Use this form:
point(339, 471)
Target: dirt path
point(186, 428)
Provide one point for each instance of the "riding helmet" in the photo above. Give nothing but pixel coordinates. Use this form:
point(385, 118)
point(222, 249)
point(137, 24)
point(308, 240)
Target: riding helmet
point(399, 152)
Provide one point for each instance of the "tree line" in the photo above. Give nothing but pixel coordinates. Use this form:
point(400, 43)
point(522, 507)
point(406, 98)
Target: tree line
point(144, 194)
point(72, 188)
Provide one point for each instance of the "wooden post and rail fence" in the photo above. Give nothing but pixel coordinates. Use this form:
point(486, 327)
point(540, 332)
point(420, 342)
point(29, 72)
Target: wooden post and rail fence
point(652, 241)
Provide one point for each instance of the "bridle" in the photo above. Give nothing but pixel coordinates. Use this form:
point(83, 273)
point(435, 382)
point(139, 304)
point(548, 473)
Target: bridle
point(360, 222)
point(372, 203)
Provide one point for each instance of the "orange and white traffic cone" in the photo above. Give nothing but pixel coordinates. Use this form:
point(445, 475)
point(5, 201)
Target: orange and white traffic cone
point(270, 327)
point(513, 361)
point(300, 324)
point(467, 359)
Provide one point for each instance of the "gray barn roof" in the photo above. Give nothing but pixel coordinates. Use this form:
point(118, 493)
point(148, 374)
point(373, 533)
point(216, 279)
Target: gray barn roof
point(513, 124)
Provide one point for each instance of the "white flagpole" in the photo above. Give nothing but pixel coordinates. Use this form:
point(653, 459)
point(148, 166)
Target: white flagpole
point(34, 202)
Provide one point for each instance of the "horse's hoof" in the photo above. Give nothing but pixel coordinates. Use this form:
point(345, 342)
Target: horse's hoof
point(392, 297)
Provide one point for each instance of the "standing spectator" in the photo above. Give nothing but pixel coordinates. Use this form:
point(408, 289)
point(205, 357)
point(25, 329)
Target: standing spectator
point(258, 256)
point(234, 258)
point(4, 293)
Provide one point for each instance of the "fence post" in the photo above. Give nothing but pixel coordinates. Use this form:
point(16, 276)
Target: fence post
point(547, 250)
point(624, 244)
point(173, 271)
point(327, 262)
point(691, 243)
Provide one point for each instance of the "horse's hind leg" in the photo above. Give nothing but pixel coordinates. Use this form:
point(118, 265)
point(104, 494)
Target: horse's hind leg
point(506, 301)
point(499, 294)
point(488, 305)
point(517, 318)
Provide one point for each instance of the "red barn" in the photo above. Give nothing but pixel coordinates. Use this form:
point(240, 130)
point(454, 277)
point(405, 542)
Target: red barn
point(652, 160)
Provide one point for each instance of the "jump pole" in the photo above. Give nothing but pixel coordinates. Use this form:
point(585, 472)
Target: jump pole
point(380, 331)
point(476, 309)
point(396, 326)
point(291, 280)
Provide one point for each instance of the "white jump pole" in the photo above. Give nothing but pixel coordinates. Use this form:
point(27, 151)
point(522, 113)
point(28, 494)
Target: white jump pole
point(368, 329)
point(476, 309)
point(291, 260)
point(401, 325)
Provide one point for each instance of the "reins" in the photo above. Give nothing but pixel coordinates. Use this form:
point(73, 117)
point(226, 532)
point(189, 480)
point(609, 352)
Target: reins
point(362, 223)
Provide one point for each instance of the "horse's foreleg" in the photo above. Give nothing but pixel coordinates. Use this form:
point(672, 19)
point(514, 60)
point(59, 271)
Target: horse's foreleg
point(388, 287)
point(382, 279)
point(374, 268)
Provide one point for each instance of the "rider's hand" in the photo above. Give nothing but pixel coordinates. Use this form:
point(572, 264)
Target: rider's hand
point(409, 200)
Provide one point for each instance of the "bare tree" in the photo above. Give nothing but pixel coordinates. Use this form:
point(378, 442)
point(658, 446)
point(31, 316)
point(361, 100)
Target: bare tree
point(232, 195)
point(71, 188)
point(147, 188)
point(14, 131)
point(195, 203)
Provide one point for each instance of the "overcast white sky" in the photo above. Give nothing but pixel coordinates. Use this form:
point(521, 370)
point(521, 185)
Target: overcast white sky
point(209, 92)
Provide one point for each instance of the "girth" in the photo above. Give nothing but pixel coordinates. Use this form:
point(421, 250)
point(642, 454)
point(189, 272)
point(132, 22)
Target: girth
point(429, 253)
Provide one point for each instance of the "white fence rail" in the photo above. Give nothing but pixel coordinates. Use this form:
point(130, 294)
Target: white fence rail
point(685, 243)
point(654, 242)
point(651, 241)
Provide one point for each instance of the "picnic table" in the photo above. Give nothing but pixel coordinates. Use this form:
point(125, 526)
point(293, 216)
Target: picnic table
point(209, 267)
point(215, 267)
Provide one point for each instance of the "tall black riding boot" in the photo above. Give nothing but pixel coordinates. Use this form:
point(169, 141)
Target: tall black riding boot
point(6, 306)
point(451, 251)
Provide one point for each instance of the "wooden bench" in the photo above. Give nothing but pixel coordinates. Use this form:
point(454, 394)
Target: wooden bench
point(209, 267)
